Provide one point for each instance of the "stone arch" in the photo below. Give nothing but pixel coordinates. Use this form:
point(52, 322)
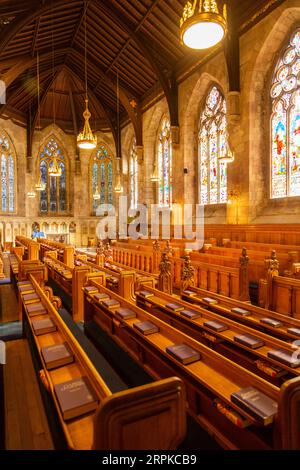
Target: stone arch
point(282, 22)
point(214, 73)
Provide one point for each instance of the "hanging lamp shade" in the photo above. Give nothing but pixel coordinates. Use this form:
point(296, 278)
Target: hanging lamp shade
point(86, 139)
point(39, 185)
point(202, 24)
point(54, 168)
point(118, 187)
point(96, 195)
point(31, 194)
point(228, 157)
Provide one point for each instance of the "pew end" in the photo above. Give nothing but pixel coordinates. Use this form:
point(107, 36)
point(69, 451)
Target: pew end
point(289, 414)
point(148, 417)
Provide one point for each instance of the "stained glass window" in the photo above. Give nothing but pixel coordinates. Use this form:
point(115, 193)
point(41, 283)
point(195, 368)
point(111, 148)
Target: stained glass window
point(54, 200)
point(133, 168)
point(165, 165)
point(8, 177)
point(212, 145)
point(285, 122)
point(102, 177)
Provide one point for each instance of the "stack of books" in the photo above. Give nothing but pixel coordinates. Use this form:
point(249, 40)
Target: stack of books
point(57, 355)
point(271, 322)
point(294, 331)
point(100, 297)
point(111, 303)
point(41, 327)
point(190, 314)
point(90, 290)
point(183, 353)
point(262, 408)
point(209, 301)
point(189, 293)
point(146, 327)
point(31, 298)
point(145, 294)
point(75, 397)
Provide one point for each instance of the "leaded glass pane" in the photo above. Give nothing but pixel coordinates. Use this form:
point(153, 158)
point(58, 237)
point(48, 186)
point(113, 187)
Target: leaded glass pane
point(165, 165)
point(43, 197)
point(102, 177)
point(11, 183)
point(62, 189)
point(110, 182)
point(4, 182)
point(285, 122)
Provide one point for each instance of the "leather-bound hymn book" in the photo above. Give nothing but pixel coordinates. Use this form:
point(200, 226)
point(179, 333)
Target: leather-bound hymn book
point(57, 355)
point(146, 327)
point(101, 297)
point(257, 404)
point(26, 289)
point(41, 327)
point(216, 326)
point(174, 307)
point(294, 331)
point(249, 341)
point(190, 314)
point(241, 311)
point(145, 293)
point(31, 298)
point(271, 322)
point(209, 301)
point(75, 397)
point(183, 353)
point(36, 309)
point(125, 313)
point(289, 358)
point(111, 303)
point(189, 293)
point(90, 289)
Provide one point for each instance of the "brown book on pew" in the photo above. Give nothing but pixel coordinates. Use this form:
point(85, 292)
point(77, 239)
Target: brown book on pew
point(249, 341)
point(111, 303)
point(36, 309)
point(174, 307)
point(294, 331)
point(30, 298)
point(24, 283)
point(209, 301)
point(215, 326)
point(146, 327)
point(145, 293)
point(75, 397)
point(28, 289)
point(257, 404)
point(125, 313)
point(90, 289)
point(189, 293)
point(183, 353)
point(289, 358)
point(41, 327)
point(190, 314)
point(271, 322)
point(100, 297)
point(241, 311)
point(57, 355)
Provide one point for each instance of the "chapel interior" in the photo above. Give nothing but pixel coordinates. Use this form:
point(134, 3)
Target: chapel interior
point(149, 229)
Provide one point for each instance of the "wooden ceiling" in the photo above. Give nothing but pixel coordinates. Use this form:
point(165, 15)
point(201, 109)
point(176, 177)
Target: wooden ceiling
point(138, 40)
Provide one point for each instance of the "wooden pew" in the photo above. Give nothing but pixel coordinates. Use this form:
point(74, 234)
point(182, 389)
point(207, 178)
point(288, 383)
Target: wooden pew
point(222, 342)
point(65, 253)
point(212, 377)
point(107, 428)
point(31, 248)
point(281, 294)
point(225, 305)
point(71, 281)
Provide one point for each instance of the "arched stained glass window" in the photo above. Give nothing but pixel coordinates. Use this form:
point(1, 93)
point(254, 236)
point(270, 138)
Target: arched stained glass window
point(212, 145)
point(102, 176)
point(54, 200)
point(285, 122)
point(133, 176)
point(165, 165)
point(8, 175)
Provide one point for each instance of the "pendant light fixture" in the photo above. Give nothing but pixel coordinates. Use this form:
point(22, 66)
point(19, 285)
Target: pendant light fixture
point(118, 187)
point(203, 24)
point(54, 168)
point(39, 186)
point(86, 139)
point(96, 195)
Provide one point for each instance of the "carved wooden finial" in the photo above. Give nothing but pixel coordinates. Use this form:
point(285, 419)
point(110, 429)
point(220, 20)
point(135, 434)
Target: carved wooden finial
point(188, 272)
point(165, 283)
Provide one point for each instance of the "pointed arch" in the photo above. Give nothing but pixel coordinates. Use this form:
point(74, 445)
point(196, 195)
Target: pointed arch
point(285, 121)
point(212, 145)
point(8, 173)
point(102, 171)
point(164, 163)
point(54, 200)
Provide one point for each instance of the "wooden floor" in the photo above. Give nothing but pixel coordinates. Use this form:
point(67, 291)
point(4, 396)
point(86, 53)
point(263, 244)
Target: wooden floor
point(26, 426)
point(8, 304)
